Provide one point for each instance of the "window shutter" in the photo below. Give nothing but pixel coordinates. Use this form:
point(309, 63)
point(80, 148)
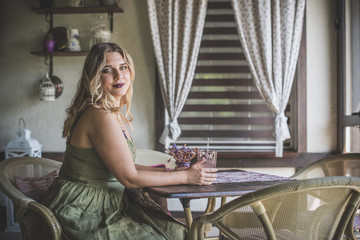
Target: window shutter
point(223, 106)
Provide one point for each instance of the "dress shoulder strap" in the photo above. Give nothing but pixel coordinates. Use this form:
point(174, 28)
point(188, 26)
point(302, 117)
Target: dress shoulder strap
point(74, 123)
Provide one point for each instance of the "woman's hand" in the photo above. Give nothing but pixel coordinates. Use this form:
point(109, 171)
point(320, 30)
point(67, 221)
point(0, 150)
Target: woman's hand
point(197, 175)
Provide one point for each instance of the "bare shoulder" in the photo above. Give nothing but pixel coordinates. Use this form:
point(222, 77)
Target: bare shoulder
point(98, 119)
point(92, 122)
point(96, 115)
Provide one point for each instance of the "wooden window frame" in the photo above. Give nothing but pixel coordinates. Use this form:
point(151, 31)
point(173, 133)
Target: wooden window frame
point(344, 120)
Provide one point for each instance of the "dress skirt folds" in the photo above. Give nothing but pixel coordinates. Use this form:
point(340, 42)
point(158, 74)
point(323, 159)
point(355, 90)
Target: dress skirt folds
point(91, 204)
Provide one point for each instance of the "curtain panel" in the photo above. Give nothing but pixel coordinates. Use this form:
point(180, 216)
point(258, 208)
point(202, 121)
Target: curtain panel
point(176, 29)
point(270, 34)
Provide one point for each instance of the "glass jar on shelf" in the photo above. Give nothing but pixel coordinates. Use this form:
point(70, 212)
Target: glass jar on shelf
point(99, 33)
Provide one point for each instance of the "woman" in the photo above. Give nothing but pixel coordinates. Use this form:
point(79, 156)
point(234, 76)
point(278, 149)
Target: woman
point(91, 198)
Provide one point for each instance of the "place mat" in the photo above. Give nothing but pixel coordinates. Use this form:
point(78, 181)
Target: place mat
point(232, 176)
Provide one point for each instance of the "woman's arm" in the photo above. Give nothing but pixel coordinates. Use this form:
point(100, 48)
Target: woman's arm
point(148, 168)
point(107, 138)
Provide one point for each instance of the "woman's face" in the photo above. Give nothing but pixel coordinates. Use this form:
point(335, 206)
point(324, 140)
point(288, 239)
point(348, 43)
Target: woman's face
point(115, 76)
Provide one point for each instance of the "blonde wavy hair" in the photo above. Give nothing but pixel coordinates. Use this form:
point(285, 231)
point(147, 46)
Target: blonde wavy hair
point(90, 91)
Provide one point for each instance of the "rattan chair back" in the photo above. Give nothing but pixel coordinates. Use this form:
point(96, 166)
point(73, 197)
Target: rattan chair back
point(338, 165)
point(23, 205)
point(309, 209)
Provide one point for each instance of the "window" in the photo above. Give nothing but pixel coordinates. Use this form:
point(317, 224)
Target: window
point(349, 76)
point(224, 109)
point(223, 105)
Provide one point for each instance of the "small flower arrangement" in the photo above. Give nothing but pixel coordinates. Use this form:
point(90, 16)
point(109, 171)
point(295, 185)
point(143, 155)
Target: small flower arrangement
point(182, 156)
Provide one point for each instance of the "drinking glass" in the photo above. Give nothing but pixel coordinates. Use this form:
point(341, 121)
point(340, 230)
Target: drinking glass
point(210, 158)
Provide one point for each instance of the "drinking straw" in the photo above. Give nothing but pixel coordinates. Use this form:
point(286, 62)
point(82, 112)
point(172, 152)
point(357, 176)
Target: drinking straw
point(207, 147)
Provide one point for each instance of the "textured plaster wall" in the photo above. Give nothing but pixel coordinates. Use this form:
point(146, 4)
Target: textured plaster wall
point(321, 75)
point(22, 31)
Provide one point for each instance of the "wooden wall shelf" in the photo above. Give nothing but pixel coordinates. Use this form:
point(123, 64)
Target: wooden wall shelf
point(49, 12)
point(60, 53)
point(77, 10)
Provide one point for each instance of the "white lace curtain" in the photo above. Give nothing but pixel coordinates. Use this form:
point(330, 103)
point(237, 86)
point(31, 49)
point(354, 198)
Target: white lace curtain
point(176, 29)
point(270, 34)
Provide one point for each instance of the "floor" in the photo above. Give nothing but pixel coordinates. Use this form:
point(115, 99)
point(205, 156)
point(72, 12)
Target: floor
point(17, 235)
point(10, 236)
point(7, 235)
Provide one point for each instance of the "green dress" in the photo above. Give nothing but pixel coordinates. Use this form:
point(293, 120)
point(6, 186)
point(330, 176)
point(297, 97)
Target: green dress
point(90, 203)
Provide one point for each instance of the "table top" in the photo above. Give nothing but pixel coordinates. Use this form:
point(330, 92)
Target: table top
point(228, 183)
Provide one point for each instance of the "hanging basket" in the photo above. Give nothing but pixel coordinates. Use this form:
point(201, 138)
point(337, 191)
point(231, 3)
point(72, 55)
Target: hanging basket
point(47, 89)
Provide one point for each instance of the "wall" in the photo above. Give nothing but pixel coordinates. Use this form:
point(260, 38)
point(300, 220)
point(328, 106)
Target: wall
point(22, 31)
point(321, 75)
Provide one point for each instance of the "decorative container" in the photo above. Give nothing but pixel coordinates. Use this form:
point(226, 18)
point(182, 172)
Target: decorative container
point(99, 33)
point(182, 156)
point(49, 42)
point(47, 89)
point(74, 44)
point(23, 144)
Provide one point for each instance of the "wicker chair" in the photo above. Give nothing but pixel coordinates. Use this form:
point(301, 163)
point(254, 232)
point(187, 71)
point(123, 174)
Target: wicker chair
point(26, 208)
point(338, 165)
point(28, 211)
point(347, 164)
point(304, 209)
